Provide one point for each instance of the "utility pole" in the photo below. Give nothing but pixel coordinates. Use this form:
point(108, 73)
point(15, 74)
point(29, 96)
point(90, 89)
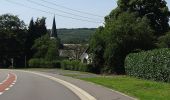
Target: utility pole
point(25, 61)
point(12, 62)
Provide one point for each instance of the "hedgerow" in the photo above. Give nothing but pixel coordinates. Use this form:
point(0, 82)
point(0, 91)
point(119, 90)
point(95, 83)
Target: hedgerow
point(152, 65)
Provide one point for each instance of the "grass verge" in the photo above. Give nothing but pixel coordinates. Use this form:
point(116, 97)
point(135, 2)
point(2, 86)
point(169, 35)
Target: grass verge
point(138, 88)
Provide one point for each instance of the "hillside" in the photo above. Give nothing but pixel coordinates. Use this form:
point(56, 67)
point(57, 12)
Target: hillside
point(79, 35)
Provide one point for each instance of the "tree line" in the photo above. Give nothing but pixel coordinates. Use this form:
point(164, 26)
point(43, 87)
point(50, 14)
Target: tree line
point(134, 26)
point(21, 44)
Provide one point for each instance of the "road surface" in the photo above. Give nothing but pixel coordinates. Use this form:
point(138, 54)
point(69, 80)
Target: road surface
point(22, 85)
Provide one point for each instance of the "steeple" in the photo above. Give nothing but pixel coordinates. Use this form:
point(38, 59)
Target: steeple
point(54, 30)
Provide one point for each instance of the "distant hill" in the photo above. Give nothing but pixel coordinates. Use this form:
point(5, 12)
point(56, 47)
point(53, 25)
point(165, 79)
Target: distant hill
point(75, 36)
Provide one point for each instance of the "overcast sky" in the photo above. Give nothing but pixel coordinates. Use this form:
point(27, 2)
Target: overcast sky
point(69, 13)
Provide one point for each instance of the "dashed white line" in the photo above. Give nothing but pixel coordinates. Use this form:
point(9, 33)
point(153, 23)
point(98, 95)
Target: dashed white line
point(11, 86)
point(1, 93)
point(14, 82)
point(6, 89)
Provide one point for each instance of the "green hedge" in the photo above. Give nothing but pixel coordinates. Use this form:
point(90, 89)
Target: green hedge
point(42, 63)
point(152, 65)
point(74, 65)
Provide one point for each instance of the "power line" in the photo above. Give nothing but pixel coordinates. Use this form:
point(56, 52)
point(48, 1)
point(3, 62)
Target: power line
point(87, 13)
point(20, 4)
point(31, 1)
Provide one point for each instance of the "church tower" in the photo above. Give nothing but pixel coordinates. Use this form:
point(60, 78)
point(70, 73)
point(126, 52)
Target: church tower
point(54, 30)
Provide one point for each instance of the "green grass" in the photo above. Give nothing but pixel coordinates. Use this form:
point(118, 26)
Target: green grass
point(141, 89)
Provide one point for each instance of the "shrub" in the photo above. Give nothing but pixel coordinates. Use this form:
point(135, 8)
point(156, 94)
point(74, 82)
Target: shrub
point(42, 63)
point(74, 65)
point(153, 65)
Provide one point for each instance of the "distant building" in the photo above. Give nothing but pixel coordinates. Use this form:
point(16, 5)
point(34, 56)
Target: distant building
point(54, 30)
point(72, 51)
point(86, 57)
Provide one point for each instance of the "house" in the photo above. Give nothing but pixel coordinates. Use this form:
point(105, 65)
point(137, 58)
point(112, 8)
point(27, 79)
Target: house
point(86, 57)
point(72, 51)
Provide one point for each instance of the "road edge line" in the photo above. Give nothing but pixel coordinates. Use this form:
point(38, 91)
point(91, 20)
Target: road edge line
point(82, 94)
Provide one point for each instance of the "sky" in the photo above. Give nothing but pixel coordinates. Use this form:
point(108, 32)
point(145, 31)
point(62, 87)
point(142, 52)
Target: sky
point(68, 13)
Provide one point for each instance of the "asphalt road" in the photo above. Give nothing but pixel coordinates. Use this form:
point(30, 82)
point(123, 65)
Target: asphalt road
point(49, 86)
point(33, 87)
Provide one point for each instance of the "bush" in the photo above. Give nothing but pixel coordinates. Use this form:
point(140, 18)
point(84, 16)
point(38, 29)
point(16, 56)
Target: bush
point(164, 41)
point(74, 65)
point(153, 65)
point(42, 63)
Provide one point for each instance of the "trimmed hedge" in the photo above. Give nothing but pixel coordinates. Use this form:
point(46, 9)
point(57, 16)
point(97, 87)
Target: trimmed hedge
point(42, 63)
point(74, 65)
point(152, 65)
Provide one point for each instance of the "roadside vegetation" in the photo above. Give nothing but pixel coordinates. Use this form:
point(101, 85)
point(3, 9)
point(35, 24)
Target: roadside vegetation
point(138, 88)
point(75, 36)
point(134, 41)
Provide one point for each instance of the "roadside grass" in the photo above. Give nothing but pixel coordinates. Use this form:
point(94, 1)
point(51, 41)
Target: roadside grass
point(138, 88)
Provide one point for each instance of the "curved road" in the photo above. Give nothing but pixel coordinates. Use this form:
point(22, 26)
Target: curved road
point(33, 87)
point(44, 86)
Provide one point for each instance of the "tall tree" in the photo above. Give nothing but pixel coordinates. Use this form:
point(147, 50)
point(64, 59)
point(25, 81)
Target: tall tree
point(13, 37)
point(31, 37)
point(40, 27)
point(46, 48)
point(134, 26)
point(35, 30)
point(155, 10)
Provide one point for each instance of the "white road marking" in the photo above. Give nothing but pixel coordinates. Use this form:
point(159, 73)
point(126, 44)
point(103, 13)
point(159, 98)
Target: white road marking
point(6, 89)
point(1, 93)
point(11, 86)
point(5, 79)
point(83, 95)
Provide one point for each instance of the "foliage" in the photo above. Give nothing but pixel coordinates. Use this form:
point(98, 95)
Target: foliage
point(42, 63)
point(73, 65)
point(112, 43)
point(135, 25)
point(35, 30)
point(12, 37)
point(155, 10)
point(97, 46)
point(164, 41)
point(46, 48)
point(75, 36)
point(153, 65)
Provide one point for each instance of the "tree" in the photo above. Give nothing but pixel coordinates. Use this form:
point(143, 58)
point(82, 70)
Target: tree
point(13, 37)
point(31, 37)
point(35, 31)
point(40, 27)
point(164, 41)
point(46, 48)
point(135, 25)
point(126, 35)
point(97, 46)
point(155, 10)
